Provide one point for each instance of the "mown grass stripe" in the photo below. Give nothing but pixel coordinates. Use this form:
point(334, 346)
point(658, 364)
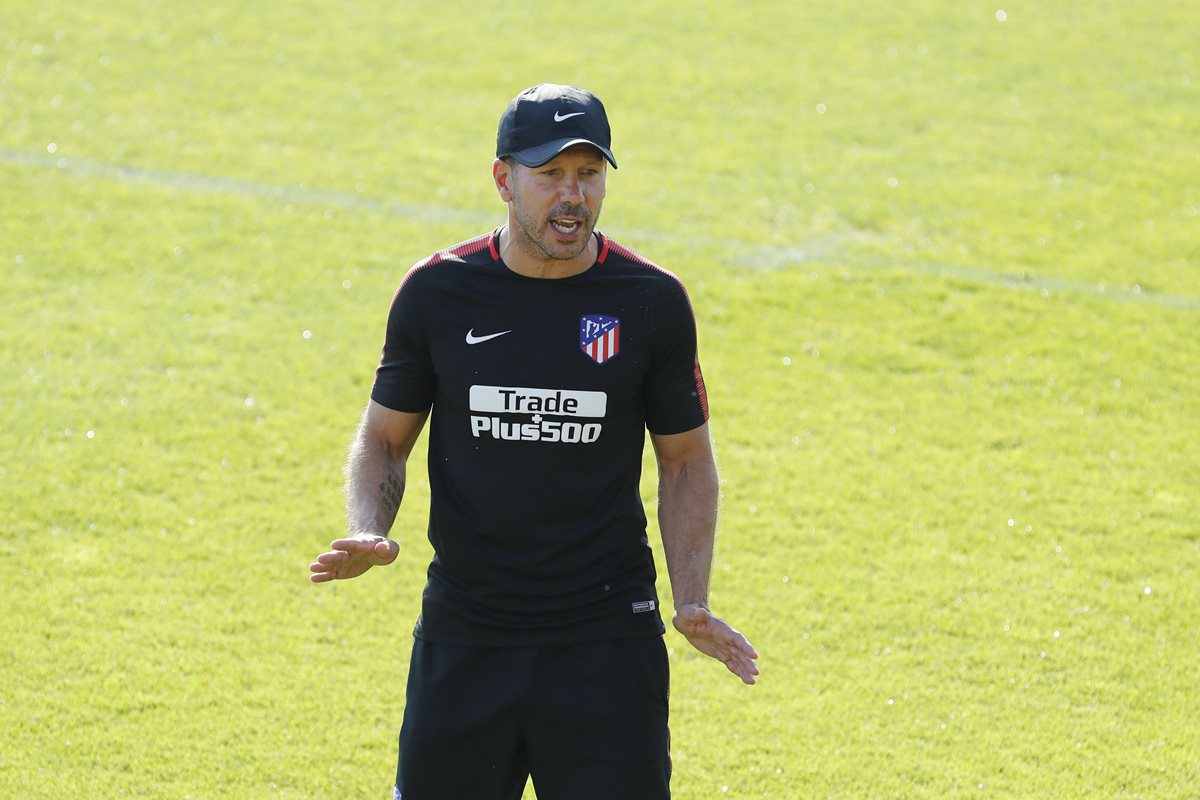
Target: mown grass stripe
point(821, 248)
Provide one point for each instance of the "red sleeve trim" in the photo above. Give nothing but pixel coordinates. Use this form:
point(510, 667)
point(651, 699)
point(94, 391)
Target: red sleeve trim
point(473, 246)
point(460, 250)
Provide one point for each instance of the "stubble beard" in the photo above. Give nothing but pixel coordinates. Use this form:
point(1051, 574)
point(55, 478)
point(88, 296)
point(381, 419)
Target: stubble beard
point(534, 234)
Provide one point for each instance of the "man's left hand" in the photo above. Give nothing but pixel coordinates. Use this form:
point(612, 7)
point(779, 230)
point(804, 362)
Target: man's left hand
point(713, 637)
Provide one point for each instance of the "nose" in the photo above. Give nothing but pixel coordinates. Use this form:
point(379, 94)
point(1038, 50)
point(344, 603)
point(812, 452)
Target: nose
point(571, 190)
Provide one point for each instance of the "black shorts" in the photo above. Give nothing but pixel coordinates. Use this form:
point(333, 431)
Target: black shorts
point(583, 720)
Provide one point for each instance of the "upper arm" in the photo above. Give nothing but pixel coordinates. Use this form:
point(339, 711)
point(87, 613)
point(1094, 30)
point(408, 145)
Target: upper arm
point(677, 451)
point(396, 430)
point(676, 399)
point(405, 378)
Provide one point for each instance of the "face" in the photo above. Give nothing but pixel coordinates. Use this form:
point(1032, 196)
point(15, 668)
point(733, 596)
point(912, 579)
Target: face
point(553, 209)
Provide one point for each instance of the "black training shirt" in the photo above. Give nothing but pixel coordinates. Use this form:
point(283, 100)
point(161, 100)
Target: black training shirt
point(541, 393)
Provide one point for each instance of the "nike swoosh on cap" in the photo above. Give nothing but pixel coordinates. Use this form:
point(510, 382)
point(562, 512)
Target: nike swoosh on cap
point(473, 339)
point(559, 117)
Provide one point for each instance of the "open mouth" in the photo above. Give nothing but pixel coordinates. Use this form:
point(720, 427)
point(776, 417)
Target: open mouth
point(566, 226)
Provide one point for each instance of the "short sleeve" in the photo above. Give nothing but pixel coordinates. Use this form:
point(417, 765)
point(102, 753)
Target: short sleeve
point(405, 379)
point(676, 398)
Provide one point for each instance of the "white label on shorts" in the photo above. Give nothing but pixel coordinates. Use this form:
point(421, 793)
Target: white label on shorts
point(643, 606)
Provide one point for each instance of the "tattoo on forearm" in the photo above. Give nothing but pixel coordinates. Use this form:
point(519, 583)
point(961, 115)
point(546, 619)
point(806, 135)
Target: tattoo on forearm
point(392, 489)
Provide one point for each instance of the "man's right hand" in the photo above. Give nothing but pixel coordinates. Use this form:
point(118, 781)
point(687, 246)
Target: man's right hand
point(349, 558)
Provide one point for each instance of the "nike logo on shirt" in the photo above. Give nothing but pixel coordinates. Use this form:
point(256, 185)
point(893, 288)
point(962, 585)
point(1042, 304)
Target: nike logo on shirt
point(558, 117)
point(473, 339)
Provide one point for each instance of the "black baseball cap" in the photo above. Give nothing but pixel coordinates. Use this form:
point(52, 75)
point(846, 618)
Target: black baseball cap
point(546, 119)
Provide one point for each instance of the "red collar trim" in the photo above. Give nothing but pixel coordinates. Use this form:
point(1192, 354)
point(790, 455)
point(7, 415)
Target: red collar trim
point(494, 245)
point(603, 248)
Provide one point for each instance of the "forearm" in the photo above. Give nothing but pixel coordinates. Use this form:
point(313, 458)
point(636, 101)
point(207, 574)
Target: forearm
point(687, 519)
point(375, 478)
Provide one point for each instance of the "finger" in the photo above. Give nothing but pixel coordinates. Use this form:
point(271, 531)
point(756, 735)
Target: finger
point(742, 646)
point(322, 572)
point(749, 667)
point(354, 544)
point(737, 653)
point(333, 558)
point(384, 552)
point(733, 638)
point(744, 669)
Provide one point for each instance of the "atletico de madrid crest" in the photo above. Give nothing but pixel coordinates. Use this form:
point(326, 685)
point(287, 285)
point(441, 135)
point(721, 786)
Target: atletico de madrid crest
point(599, 337)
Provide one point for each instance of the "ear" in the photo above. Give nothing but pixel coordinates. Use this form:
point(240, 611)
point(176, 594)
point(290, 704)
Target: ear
point(502, 174)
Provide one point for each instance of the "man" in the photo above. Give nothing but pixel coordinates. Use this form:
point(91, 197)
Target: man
point(541, 353)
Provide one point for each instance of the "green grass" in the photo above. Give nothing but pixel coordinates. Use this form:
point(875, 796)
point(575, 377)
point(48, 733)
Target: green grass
point(945, 271)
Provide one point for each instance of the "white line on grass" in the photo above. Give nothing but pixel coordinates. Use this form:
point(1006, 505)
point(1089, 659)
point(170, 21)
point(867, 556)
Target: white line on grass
point(208, 184)
point(821, 248)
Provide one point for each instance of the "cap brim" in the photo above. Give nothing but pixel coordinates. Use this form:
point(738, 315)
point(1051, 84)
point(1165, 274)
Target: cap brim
point(539, 155)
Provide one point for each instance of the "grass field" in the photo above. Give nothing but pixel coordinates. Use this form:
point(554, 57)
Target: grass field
point(944, 258)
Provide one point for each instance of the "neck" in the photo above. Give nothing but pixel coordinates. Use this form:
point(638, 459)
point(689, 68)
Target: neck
point(524, 259)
